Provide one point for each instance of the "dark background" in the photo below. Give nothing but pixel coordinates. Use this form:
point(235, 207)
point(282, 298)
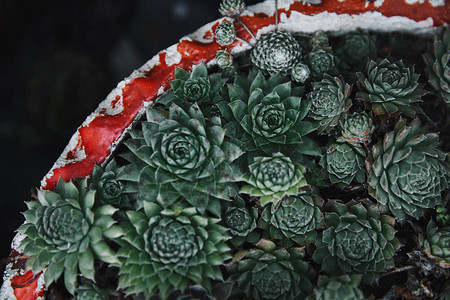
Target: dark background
point(58, 61)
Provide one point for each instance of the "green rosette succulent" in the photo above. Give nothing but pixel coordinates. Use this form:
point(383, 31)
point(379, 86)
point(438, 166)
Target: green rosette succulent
point(320, 39)
point(357, 240)
point(356, 128)
point(356, 48)
point(436, 243)
point(195, 292)
point(276, 53)
point(225, 33)
point(64, 233)
point(269, 113)
point(295, 219)
point(321, 61)
point(344, 163)
point(231, 8)
point(329, 102)
point(438, 65)
point(225, 62)
point(164, 249)
point(337, 288)
point(108, 189)
point(274, 177)
point(92, 292)
point(197, 86)
point(300, 73)
point(268, 272)
point(181, 155)
point(406, 171)
point(241, 222)
point(390, 88)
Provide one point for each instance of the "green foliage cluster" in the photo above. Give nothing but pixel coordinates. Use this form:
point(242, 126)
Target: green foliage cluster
point(270, 181)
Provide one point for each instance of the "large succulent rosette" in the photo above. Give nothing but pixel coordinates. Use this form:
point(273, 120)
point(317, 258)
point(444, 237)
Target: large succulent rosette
point(167, 249)
point(438, 65)
point(274, 177)
point(181, 155)
point(295, 219)
point(276, 53)
point(64, 233)
point(406, 171)
point(390, 88)
point(436, 243)
point(357, 240)
point(270, 112)
point(344, 163)
point(329, 102)
point(267, 272)
point(337, 288)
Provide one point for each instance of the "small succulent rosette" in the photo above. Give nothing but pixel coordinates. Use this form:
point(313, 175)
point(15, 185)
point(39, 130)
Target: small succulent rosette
point(337, 288)
point(344, 163)
point(92, 292)
point(438, 65)
point(225, 33)
point(108, 189)
point(355, 49)
point(276, 53)
point(267, 114)
point(181, 157)
point(357, 240)
point(241, 222)
point(273, 177)
point(268, 272)
point(330, 101)
point(165, 249)
point(406, 171)
point(356, 128)
point(65, 233)
point(390, 88)
point(436, 243)
point(295, 220)
point(321, 59)
point(231, 8)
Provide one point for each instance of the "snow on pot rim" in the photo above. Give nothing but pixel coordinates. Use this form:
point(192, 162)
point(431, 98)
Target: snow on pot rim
point(103, 130)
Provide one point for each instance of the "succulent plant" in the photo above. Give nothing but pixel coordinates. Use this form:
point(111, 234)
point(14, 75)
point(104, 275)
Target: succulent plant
point(225, 61)
point(337, 288)
point(319, 39)
point(276, 53)
point(295, 219)
point(356, 128)
point(197, 86)
point(436, 243)
point(92, 292)
point(344, 163)
point(169, 248)
point(270, 113)
point(108, 189)
point(390, 88)
point(241, 222)
point(442, 215)
point(274, 177)
point(300, 73)
point(406, 171)
point(438, 65)
point(356, 48)
point(329, 102)
point(357, 240)
point(269, 273)
point(182, 155)
point(64, 233)
point(225, 33)
point(321, 61)
point(231, 8)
